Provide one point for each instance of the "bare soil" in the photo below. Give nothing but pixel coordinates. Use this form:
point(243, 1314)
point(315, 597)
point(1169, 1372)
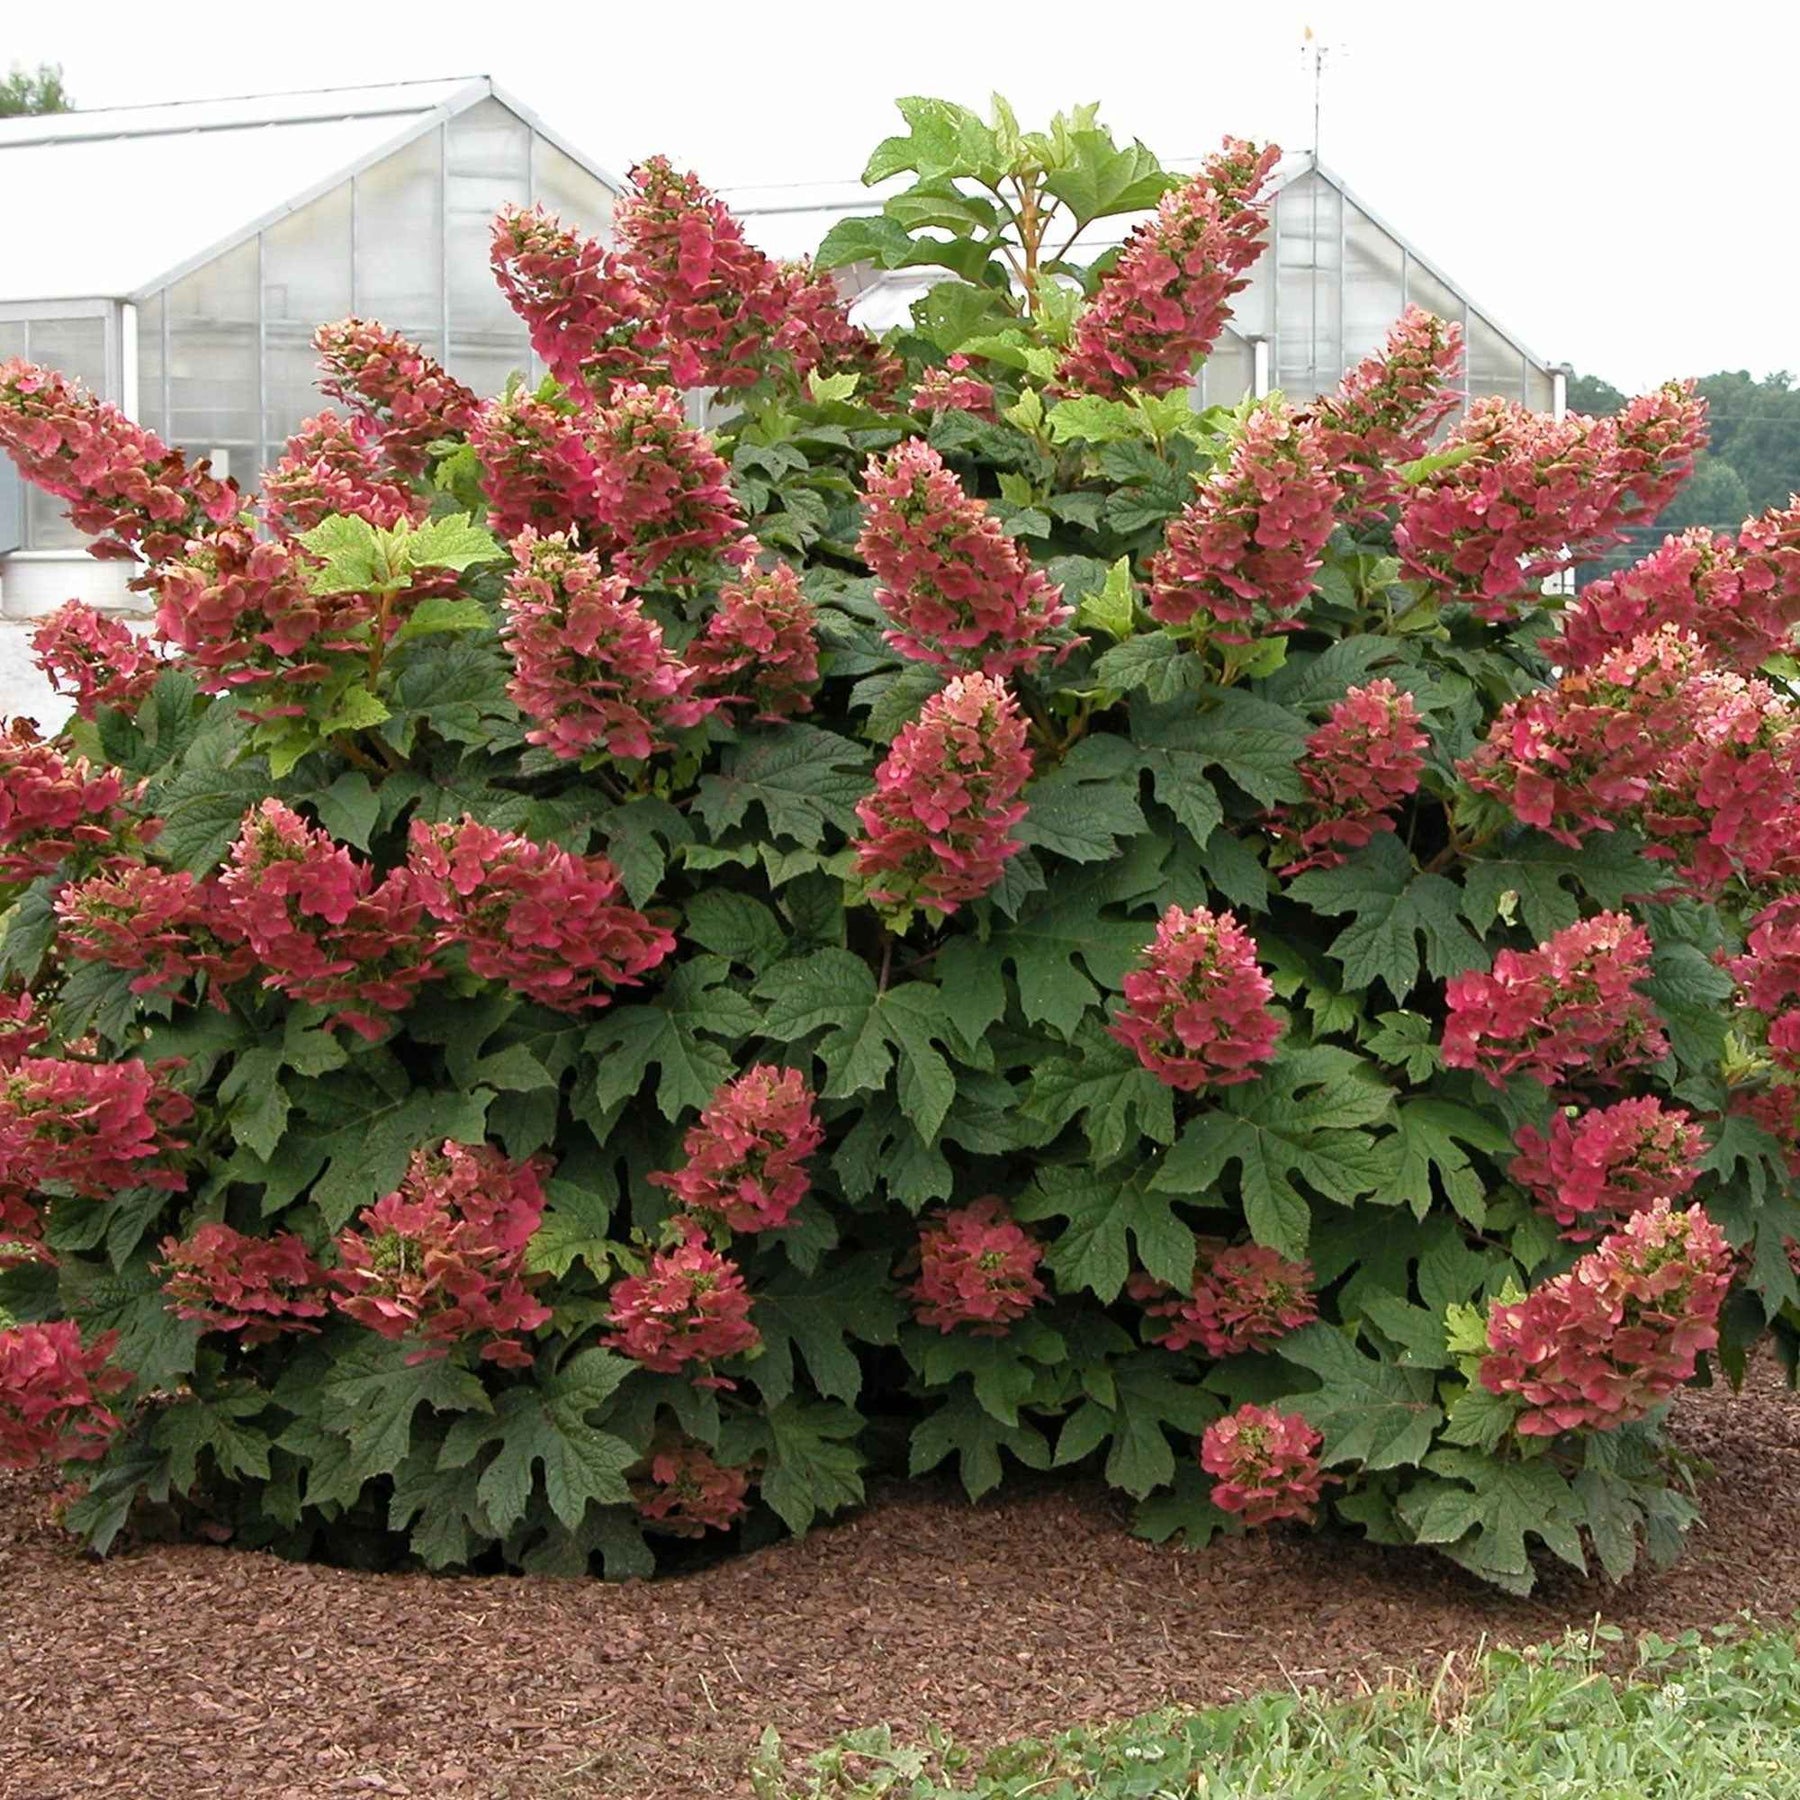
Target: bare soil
point(189, 1671)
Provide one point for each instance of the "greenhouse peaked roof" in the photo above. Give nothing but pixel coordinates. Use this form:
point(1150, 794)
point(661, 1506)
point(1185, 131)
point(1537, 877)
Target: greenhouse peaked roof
point(105, 205)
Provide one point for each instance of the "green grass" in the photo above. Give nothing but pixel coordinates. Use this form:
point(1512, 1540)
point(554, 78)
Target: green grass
point(1701, 1718)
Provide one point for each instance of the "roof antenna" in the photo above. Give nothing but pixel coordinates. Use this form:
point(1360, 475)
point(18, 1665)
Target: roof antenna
point(1314, 54)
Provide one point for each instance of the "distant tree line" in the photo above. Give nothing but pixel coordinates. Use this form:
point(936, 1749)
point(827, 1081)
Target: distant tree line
point(30, 91)
point(1752, 461)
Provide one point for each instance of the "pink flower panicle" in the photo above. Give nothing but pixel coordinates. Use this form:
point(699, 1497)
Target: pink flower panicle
point(590, 668)
point(689, 1493)
point(54, 807)
point(1776, 1110)
point(760, 647)
point(547, 923)
point(384, 378)
point(441, 1259)
point(589, 320)
point(689, 1306)
point(1243, 1297)
point(95, 660)
point(1586, 754)
point(1700, 762)
point(1598, 1168)
point(661, 490)
point(937, 830)
point(1768, 977)
point(325, 930)
point(227, 1281)
point(961, 593)
point(335, 465)
point(1161, 307)
point(1616, 1335)
point(240, 611)
point(1359, 766)
point(718, 299)
point(1387, 407)
point(1240, 557)
point(537, 469)
point(163, 926)
point(1196, 1012)
point(1264, 1464)
point(22, 1027)
point(127, 489)
point(1569, 1008)
point(1696, 582)
point(93, 1130)
point(977, 1267)
point(744, 1162)
point(1539, 494)
point(818, 337)
point(53, 1394)
point(951, 388)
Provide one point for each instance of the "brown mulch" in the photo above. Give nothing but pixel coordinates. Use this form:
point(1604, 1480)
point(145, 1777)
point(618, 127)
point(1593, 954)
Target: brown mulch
point(191, 1672)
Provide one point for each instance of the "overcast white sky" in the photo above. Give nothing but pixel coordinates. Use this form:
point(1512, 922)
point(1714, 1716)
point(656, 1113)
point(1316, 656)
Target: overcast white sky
point(1616, 190)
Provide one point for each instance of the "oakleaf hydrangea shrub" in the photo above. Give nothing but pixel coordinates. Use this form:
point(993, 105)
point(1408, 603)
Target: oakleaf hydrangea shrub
point(596, 980)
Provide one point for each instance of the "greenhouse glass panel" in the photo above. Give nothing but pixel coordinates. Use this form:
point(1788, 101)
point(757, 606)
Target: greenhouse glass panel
point(306, 267)
point(12, 338)
point(1540, 388)
point(569, 191)
point(400, 243)
point(215, 373)
point(76, 348)
point(1228, 374)
point(1496, 363)
point(488, 166)
point(1374, 283)
point(151, 410)
point(1309, 353)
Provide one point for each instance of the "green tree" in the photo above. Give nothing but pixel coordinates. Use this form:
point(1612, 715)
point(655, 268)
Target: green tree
point(1590, 394)
point(25, 93)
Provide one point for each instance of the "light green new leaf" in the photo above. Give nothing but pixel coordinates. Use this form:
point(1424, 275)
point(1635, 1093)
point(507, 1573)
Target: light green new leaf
point(1370, 1412)
point(1306, 1120)
point(453, 541)
point(1110, 607)
point(1101, 178)
point(350, 556)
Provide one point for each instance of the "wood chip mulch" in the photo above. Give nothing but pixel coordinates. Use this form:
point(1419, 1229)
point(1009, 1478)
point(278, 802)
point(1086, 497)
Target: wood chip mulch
point(190, 1671)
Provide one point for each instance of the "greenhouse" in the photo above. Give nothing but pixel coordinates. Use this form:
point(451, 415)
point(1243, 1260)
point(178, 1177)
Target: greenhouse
point(302, 208)
point(294, 209)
